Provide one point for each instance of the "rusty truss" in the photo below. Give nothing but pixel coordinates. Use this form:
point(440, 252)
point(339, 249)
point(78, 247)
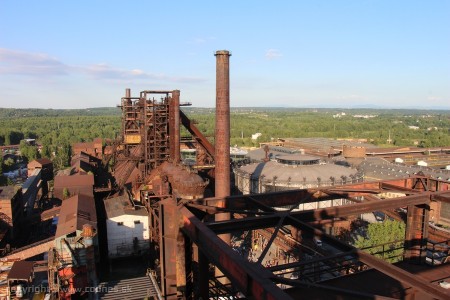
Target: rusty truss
point(151, 134)
point(196, 242)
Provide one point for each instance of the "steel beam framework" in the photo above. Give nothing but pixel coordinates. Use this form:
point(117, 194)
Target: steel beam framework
point(263, 211)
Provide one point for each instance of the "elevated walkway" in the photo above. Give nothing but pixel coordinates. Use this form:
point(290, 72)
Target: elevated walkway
point(134, 288)
point(30, 250)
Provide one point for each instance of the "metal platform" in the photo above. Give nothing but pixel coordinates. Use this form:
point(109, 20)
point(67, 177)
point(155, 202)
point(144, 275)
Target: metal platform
point(134, 288)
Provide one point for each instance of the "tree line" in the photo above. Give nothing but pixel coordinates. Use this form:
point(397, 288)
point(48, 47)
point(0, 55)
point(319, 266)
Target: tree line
point(401, 127)
point(57, 130)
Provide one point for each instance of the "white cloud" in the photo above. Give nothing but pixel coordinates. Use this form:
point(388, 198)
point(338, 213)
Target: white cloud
point(41, 65)
point(273, 54)
point(434, 98)
point(24, 63)
point(105, 71)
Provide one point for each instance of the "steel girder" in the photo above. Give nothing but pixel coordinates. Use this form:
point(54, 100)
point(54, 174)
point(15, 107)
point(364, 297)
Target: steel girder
point(251, 279)
point(236, 267)
point(318, 214)
point(189, 125)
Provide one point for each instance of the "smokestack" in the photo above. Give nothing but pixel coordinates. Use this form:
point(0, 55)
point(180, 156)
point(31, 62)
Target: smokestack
point(222, 144)
point(222, 134)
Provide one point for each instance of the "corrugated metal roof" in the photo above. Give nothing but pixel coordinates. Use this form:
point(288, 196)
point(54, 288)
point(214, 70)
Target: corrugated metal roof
point(21, 270)
point(297, 174)
point(65, 181)
point(85, 145)
point(75, 212)
point(121, 205)
point(80, 156)
point(40, 162)
point(326, 143)
point(44, 161)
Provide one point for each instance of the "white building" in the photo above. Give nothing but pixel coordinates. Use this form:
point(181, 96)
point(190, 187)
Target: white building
point(127, 227)
point(422, 163)
point(256, 135)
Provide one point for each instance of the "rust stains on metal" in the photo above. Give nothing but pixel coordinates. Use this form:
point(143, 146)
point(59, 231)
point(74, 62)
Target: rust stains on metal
point(174, 126)
point(184, 184)
point(301, 220)
point(75, 212)
point(198, 135)
point(21, 270)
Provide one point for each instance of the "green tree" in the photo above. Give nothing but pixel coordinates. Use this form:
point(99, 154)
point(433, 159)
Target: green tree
point(2, 178)
point(63, 155)
point(13, 137)
point(9, 162)
point(30, 152)
point(384, 240)
point(66, 193)
point(46, 151)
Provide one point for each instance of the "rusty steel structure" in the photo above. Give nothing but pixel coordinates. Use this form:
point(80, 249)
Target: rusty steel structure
point(191, 235)
point(274, 211)
point(151, 134)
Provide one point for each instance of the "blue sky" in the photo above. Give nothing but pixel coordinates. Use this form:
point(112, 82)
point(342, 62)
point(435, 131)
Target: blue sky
point(342, 53)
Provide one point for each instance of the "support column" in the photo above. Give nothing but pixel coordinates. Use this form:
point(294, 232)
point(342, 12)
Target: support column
point(416, 233)
point(174, 126)
point(203, 276)
point(181, 264)
point(168, 234)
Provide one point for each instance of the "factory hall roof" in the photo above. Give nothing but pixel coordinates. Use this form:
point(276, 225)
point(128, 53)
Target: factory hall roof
point(75, 212)
point(41, 161)
point(259, 154)
point(295, 173)
point(62, 181)
point(326, 143)
point(121, 205)
point(21, 270)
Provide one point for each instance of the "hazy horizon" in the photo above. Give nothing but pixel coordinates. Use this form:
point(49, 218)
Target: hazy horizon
point(334, 54)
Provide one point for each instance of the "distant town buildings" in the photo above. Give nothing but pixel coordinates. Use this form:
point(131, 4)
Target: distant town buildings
point(255, 136)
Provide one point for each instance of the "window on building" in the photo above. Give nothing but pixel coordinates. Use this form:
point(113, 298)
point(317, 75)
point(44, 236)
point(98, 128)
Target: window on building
point(119, 223)
point(137, 222)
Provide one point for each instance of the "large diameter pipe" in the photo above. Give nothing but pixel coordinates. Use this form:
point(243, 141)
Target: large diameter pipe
point(126, 103)
point(222, 132)
point(174, 123)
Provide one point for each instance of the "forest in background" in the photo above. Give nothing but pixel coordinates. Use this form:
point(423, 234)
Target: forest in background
point(57, 129)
